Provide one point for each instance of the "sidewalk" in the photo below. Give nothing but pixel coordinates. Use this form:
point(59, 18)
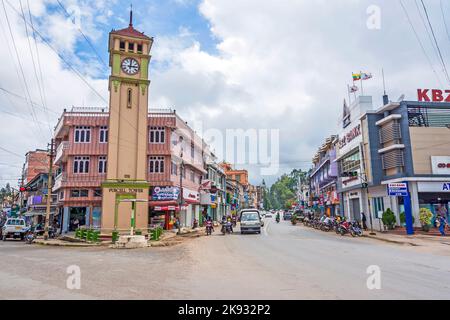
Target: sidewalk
point(418, 239)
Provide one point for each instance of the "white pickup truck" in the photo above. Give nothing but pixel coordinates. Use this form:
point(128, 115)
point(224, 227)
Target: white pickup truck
point(14, 228)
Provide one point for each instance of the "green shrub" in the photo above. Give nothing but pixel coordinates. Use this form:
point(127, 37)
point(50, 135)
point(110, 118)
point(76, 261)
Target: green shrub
point(389, 219)
point(425, 217)
point(403, 218)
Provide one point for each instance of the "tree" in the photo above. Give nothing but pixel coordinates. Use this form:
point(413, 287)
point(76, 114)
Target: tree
point(283, 193)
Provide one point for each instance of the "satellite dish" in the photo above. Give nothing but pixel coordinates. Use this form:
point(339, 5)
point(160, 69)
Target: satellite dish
point(401, 98)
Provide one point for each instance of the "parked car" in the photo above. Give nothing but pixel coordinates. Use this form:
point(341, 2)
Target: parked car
point(251, 221)
point(14, 228)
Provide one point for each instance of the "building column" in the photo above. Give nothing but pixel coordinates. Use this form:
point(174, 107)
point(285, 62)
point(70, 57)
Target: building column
point(91, 216)
point(413, 188)
point(66, 220)
point(88, 216)
point(393, 204)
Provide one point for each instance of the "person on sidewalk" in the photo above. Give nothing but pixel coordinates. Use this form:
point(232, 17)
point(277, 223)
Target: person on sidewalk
point(364, 221)
point(442, 223)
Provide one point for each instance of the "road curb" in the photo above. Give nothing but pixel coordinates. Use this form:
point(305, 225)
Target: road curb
point(72, 244)
point(392, 241)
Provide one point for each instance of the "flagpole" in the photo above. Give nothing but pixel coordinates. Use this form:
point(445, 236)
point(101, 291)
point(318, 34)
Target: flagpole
point(349, 95)
point(362, 89)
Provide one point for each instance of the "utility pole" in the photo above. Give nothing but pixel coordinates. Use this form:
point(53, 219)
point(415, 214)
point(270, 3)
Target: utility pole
point(49, 190)
point(21, 193)
point(365, 180)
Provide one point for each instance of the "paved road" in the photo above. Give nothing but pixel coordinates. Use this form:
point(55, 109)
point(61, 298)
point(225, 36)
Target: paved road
point(284, 262)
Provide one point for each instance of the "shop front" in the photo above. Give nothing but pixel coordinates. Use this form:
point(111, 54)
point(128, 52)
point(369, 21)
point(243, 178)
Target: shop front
point(435, 196)
point(163, 206)
point(353, 204)
point(191, 211)
point(332, 203)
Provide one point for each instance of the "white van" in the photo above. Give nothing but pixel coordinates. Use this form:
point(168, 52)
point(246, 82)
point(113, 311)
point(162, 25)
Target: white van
point(14, 228)
point(250, 221)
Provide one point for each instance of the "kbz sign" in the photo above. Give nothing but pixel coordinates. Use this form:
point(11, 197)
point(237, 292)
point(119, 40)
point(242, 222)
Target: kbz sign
point(433, 95)
point(350, 136)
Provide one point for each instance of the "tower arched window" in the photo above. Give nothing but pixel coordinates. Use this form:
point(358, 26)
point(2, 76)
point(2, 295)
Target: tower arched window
point(129, 98)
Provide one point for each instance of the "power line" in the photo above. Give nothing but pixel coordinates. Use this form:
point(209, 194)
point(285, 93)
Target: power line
point(21, 68)
point(84, 36)
point(21, 117)
point(40, 87)
point(38, 57)
point(11, 152)
point(445, 21)
point(436, 42)
point(69, 65)
point(23, 98)
point(420, 42)
point(75, 70)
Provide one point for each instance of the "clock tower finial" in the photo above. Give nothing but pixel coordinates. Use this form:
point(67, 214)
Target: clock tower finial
point(131, 15)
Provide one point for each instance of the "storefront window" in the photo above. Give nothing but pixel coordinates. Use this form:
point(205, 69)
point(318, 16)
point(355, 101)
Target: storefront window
point(378, 207)
point(351, 163)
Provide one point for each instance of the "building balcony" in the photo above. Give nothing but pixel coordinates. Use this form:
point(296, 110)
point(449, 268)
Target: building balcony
point(58, 182)
point(65, 180)
point(61, 152)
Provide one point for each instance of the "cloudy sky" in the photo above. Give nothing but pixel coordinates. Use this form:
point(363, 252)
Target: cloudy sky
point(250, 64)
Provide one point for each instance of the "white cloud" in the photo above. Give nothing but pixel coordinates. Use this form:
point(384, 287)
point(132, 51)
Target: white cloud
point(286, 65)
point(278, 64)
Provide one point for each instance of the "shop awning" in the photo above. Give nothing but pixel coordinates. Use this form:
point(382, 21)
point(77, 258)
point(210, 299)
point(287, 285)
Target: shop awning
point(162, 203)
point(37, 213)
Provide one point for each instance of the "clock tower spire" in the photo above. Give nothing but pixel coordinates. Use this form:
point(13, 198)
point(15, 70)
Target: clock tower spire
point(131, 16)
point(126, 187)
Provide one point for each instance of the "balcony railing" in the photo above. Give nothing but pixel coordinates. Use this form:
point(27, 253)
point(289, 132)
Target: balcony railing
point(60, 151)
point(78, 180)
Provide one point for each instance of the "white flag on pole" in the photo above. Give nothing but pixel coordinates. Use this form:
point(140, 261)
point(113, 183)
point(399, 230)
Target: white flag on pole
point(366, 76)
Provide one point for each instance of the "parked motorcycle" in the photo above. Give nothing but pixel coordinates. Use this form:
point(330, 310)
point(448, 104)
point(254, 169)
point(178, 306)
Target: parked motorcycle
point(326, 226)
point(346, 227)
point(356, 228)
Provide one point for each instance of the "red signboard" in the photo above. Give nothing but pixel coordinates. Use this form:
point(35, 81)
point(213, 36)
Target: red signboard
point(433, 95)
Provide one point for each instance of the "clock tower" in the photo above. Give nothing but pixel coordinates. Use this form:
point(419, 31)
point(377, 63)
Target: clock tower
point(125, 191)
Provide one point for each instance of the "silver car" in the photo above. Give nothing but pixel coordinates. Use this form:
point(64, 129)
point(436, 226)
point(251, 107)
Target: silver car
point(251, 221)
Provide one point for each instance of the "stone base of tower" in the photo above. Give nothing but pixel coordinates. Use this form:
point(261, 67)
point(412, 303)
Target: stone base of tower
point(119, 197)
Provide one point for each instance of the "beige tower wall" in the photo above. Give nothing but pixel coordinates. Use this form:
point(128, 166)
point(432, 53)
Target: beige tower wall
point(128, 139)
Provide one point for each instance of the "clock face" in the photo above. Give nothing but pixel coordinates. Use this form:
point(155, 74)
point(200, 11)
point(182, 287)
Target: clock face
point(130, 66)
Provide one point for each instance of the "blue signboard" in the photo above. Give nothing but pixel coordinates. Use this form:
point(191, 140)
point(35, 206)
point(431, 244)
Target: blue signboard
point(165, 193)
point(398, 189)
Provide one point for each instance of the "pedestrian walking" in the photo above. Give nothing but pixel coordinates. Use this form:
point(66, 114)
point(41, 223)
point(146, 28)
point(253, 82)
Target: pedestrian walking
point(442, 223)
point(364, 221)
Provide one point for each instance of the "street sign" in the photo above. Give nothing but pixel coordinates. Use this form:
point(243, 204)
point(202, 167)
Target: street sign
point(398, 189)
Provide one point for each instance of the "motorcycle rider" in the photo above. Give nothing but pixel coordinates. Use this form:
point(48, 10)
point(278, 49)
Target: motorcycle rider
point(209, 225)
point(223, 222)
point(230, 222)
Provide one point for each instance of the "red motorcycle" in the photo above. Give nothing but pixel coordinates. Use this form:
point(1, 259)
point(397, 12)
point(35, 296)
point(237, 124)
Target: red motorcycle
point(346, 227)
